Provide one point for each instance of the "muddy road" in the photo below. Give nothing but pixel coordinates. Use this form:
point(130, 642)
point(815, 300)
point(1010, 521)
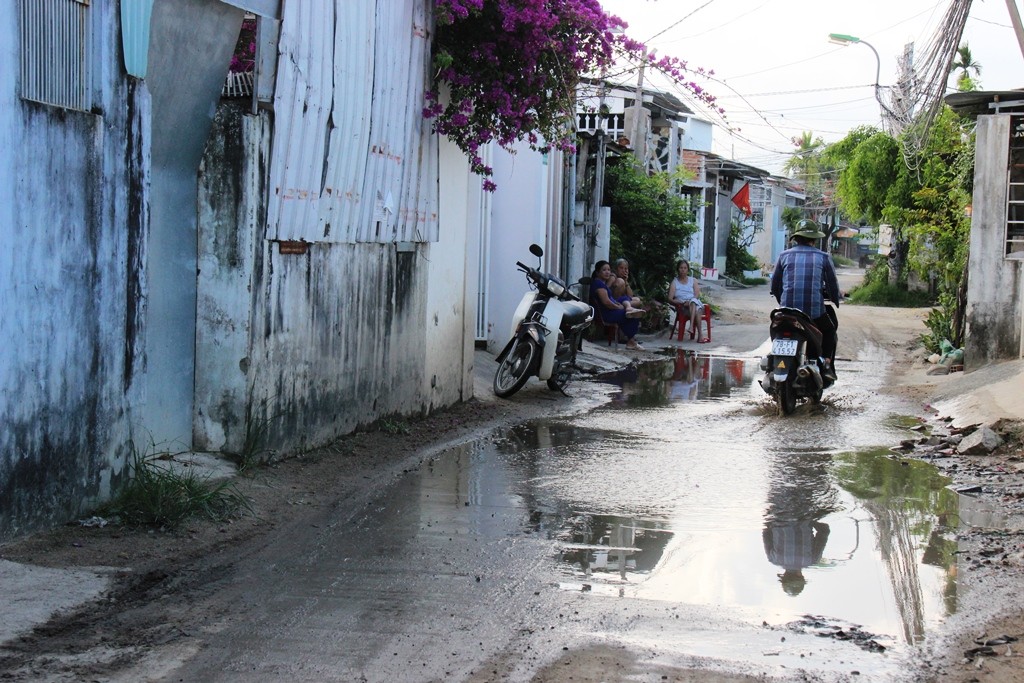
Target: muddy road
point(666, 524)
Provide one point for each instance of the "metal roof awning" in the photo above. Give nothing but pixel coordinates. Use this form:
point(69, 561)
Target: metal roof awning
point(981, 102)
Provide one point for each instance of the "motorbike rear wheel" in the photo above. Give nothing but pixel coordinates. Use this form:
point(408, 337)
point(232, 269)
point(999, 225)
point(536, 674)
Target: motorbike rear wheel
point(785, 394)
point(515, 369)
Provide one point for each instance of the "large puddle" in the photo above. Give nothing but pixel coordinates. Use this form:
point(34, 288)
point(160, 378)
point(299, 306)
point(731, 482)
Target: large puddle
point(689, 489)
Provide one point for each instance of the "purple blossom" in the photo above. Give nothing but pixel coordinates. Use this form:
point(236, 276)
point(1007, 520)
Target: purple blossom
point(512, 67)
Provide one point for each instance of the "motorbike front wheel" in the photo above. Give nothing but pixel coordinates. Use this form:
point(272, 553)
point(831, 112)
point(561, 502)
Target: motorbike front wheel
point(515, 368)
point(785, 394)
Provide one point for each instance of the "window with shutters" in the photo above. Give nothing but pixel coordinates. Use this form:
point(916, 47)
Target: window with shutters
point(56, 52)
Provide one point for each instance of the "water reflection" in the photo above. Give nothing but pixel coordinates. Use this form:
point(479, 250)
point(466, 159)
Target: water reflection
point(911, 508)
point(856, 536)
point(686, 376)
point(800, 495)
point(612, 547)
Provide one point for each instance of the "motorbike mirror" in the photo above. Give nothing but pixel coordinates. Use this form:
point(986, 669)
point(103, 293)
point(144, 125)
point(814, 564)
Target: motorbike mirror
point(536, 250)
point(585, 280)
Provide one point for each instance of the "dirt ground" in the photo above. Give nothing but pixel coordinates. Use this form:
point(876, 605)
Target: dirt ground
point(154, 566)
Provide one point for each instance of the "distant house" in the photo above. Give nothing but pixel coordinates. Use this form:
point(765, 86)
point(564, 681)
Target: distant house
point(856, 243)
point(667, 135)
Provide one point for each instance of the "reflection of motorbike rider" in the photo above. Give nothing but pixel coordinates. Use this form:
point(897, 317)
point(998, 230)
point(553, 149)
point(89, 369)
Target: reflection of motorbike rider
point(799, 496)
point(804, 278)
point(793, 546)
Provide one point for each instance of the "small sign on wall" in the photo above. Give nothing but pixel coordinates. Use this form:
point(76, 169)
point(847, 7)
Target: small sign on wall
point(292, 247)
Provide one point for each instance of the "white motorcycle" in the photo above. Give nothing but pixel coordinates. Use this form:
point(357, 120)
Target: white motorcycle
point(547, 331)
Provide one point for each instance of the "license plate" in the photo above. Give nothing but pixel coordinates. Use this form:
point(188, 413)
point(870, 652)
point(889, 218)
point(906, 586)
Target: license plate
point(784, 347)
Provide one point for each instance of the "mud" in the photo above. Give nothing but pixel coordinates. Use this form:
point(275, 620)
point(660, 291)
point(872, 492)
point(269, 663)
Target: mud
point(166, 584)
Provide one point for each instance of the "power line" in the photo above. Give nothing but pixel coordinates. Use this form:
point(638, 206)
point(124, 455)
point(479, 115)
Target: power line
point(673, 25)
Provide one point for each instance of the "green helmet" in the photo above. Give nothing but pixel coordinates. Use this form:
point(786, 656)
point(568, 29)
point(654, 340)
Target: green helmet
point(805, 227)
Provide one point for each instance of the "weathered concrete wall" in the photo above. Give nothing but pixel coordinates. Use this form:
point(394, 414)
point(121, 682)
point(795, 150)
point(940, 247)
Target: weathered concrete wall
point(230, 210)
point(995, 289)
point(190, 48)
point(73, 209)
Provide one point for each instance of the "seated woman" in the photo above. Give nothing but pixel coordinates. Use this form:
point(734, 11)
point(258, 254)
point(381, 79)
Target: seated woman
point(610, 310)
point(684, 294)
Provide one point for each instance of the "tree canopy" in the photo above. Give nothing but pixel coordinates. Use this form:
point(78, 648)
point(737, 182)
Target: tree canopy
point(652, 221)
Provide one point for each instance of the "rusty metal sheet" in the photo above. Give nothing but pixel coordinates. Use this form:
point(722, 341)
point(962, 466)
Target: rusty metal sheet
point(353, 159)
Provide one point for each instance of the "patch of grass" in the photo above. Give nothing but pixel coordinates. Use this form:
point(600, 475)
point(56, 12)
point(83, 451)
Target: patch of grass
point(842, 261)
point(160, 497)
point(754, 280)
point(883, 294)
point(254, 451)
point(393, 426)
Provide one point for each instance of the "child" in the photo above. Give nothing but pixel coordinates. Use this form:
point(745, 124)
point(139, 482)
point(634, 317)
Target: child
point(618, 287)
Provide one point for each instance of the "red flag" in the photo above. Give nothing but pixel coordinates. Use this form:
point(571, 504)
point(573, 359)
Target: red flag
point(742, 200)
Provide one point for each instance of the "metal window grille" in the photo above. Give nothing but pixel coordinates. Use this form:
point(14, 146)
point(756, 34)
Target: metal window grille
point(56, 52)
point(759, 196)
point(1015, 191)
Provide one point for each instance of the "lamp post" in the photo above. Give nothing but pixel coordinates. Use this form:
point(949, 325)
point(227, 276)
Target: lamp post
point(843, 39)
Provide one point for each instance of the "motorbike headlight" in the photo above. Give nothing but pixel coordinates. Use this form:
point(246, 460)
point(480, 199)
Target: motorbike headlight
point(555, 288)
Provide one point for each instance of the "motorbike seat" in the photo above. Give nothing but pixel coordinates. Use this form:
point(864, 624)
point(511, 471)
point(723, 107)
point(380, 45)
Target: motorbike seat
point(793, 318)
point(577, 313)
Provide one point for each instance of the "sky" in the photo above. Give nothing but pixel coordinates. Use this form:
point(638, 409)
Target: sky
point(778, 74)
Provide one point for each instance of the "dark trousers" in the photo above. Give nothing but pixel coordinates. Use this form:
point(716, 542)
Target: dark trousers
point(828, 324)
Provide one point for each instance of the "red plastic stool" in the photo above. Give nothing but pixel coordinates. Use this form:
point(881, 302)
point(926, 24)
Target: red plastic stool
point(680, 322)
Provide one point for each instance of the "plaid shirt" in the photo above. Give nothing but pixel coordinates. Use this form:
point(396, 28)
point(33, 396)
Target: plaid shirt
point(804, 278)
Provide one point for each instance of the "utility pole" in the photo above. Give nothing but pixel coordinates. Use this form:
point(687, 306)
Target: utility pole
point(1018, 28)
point(639, 138)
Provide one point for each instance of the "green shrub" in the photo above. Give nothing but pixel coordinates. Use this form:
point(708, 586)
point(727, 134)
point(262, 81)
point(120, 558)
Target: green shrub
point(939, 323)
point(884, 294)
point(737, 258)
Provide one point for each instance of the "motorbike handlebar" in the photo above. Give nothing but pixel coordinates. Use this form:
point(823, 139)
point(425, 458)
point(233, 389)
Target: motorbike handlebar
point(538, 277)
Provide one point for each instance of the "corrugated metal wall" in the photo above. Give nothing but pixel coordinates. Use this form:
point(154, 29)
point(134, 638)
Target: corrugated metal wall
point(351, 149)
point(303, 345)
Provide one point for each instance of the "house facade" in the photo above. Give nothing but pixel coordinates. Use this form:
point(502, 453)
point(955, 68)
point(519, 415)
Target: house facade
point(195, 272)
point(994, 329)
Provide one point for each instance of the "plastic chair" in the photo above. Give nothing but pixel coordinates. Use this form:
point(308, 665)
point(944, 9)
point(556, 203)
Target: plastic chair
point(611, 330)
point(680, 322)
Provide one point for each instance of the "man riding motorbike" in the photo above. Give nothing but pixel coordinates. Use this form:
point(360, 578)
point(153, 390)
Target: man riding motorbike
point(804, 278)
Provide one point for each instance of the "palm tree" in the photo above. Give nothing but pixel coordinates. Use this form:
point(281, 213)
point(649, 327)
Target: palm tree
point(806, 167)
point(964, 62)
point(804, 160)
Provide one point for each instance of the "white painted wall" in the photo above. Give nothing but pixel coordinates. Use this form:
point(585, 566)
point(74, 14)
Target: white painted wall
point(697, 134)
point(520, 217)
point(185, 94)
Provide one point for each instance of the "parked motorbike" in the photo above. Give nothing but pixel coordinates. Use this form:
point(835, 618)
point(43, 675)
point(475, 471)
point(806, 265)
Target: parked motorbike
point(547, 331)
point(794, 370)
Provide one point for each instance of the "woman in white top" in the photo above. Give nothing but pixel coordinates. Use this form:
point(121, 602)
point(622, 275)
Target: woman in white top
point(684, 294)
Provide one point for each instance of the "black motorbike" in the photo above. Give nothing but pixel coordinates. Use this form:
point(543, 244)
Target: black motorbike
point(547, 331)
point(795, 369)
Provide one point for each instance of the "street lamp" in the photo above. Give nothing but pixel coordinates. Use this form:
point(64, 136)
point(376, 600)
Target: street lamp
point(843, 39)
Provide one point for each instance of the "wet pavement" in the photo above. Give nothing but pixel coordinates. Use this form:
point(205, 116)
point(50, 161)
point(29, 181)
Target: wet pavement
point(684, 518)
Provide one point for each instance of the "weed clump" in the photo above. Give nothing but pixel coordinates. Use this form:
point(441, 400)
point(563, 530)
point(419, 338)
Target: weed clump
point(158, 496)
